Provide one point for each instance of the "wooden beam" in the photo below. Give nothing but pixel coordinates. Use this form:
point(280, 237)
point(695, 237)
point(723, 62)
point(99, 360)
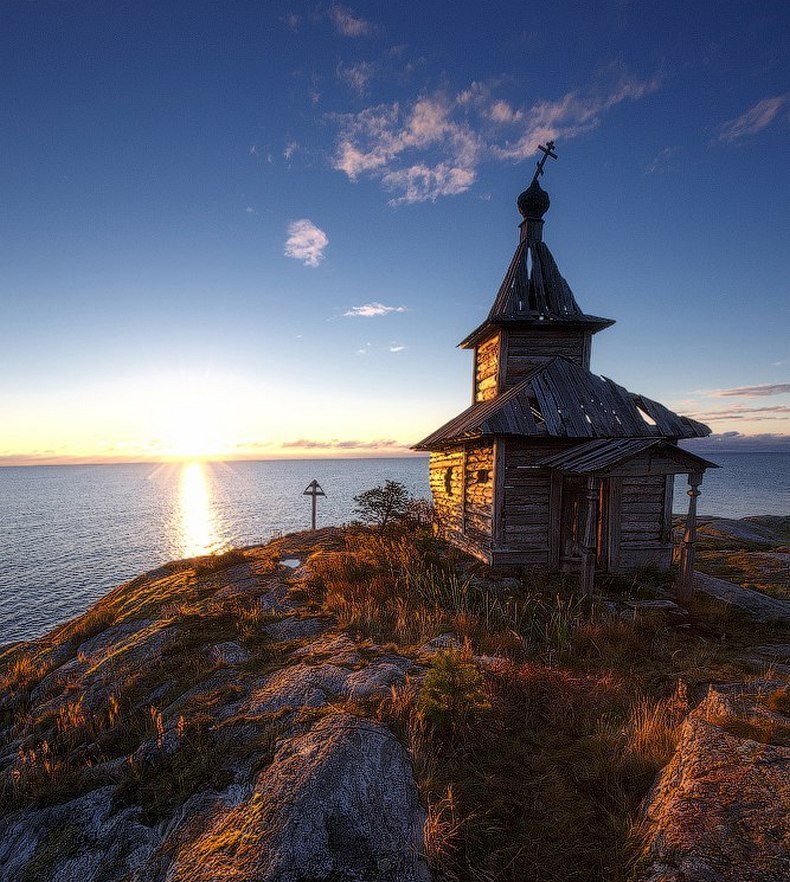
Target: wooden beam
point(669, 494)
point(499, 491)
point(615, 523)
point(464, 459)
point(590, 536)
point(685, 584)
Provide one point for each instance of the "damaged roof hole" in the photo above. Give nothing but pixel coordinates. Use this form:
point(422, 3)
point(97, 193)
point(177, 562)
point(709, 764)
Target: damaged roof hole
point(646, 416)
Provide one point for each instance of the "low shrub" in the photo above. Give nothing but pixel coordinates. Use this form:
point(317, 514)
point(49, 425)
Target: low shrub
point(452, 694)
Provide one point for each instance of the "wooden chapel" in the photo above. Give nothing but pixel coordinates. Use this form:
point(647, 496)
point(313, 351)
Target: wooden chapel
point(552, 465)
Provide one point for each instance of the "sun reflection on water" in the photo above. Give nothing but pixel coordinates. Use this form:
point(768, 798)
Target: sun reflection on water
point(198, 525)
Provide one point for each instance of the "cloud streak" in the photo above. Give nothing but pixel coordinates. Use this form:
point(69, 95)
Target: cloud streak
point(753, 391)
point(349, 444)
point(348, 24)
point(306, 242)
point(369, 310)
point(778, 411)
point(753, 120)
point(434, 146)
point(737, 441)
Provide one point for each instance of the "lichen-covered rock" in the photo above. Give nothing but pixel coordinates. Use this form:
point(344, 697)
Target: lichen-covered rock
point(720, 811)
point(337, 803)
point(754, 604)
point(295, 628)
point(337, 649)
point(83, 840)
point(374, 679)
point(298, 686)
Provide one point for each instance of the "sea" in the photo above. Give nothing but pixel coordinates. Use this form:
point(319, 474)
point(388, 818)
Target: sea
point(69, 533)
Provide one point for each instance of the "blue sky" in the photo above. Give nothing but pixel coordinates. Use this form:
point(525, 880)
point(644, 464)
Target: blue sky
point(260, 229)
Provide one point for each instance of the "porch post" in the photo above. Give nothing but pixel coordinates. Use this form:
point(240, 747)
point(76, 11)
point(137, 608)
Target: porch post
point(590, 535)
point(685, 585)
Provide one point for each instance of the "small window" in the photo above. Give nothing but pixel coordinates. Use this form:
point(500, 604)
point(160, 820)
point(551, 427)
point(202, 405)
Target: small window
point(483, 476)
point(448, 480)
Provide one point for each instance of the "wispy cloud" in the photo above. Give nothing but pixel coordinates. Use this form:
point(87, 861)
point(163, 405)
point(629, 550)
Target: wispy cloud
point(350, 444)
point(753, 120)
point(369, 310)
point(356, 76)
point(778, 411)
point(434, 146)
point(661, 160)
point(290, 148)
point(348, 24)
point(397, 347)
point(737, 441)
point(306, 242)
point(752, 391)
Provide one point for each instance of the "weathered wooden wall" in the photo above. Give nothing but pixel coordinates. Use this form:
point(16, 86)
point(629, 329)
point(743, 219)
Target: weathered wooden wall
point(525, 528)
point(486, 369)
point(527, 517)
point(479, 494)
point(529, 348)
point(461, 483)
point(645, 521)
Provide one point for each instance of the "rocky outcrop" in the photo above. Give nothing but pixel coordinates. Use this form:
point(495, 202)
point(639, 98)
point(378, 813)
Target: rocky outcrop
point(755, 605)
point(195, 725)
point(719, 811)
point(337, 803)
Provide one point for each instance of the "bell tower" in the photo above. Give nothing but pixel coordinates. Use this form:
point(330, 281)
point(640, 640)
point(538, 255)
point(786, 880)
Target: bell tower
point(535, 316)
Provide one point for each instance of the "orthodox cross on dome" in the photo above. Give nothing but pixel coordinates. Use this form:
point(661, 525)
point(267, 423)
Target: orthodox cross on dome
point(548, 151)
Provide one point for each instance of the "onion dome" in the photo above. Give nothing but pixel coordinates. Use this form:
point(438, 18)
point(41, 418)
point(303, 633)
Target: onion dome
point(534, 202)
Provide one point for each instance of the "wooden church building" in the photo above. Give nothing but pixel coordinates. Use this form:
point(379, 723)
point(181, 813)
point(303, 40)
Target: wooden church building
point(551, 464)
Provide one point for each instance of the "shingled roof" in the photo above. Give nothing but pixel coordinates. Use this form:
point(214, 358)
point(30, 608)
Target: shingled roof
point(533, 292)
point(564, 400)
point(589, 457)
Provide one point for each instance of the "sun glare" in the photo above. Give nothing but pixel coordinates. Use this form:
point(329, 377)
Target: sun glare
point(199, 532)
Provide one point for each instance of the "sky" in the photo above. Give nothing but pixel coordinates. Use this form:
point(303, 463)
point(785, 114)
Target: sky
point(257, 230)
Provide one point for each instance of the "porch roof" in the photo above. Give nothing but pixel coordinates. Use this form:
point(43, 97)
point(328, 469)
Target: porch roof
point(600, 455)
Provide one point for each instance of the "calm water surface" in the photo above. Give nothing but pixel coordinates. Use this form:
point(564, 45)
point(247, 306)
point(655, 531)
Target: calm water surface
point(68, 533)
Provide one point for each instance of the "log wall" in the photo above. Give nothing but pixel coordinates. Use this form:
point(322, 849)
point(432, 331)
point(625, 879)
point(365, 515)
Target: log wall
point(487, 369)
point(528, 349)
point(461, 483)
point(479, 494)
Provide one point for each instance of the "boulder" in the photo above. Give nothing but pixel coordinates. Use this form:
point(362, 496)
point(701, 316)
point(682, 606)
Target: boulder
point(298, 686)
point(719, 811)
point(295, 628)
point(337, 803)
point(80, 841)
point(375, 679)
point(757, 606)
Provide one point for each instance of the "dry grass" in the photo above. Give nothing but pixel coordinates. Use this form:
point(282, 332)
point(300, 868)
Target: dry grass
point(406, 589)
point(545, 784)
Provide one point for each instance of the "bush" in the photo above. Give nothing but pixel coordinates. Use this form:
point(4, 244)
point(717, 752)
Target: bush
point(452, 694)
point(383, 505)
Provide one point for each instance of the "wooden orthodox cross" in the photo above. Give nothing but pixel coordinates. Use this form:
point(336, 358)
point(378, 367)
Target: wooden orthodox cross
point(547, 151)
point(313, 489)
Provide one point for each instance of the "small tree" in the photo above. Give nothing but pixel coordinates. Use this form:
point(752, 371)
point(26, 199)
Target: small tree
point(383, 505)
point(453, 691)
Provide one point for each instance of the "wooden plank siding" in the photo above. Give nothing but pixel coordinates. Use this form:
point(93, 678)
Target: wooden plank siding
point(642, 516)
point(527, 512)
point(486, 369)
point(528, 349)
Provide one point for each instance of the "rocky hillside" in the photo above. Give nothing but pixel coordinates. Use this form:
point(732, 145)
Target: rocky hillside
point(347, 705)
